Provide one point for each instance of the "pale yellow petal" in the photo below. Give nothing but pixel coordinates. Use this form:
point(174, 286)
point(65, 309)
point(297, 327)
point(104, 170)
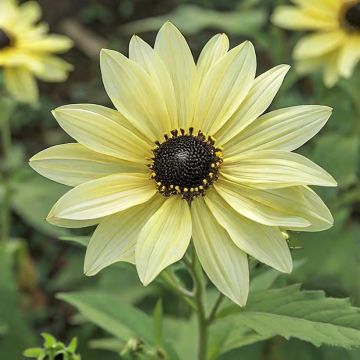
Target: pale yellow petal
point(224, 87)
point(115, 238)
point(164, 239)
point(104, 196)
point(49, 68)
point(134, 94)
point(272, 207)
point(30, 12)
point(316, 211)
point(74, 164)
point(103, 130)
point(145, 56)
point(265, 243)
point(290, 17)
point(349, 56)
point(315, 45)
point(214, 49)
point(331, 69)
point(47, 44)
point(176, 54)
point(283, 129)
point(224, 263)
point(72, 224)
point(21, 84)
point(275, 168)
point(259, 98)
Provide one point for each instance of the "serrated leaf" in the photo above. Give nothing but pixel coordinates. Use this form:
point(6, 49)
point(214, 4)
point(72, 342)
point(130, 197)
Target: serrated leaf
point(290, 312)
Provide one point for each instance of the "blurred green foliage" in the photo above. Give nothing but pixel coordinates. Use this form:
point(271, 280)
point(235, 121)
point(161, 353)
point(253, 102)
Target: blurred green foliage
point(42, 286)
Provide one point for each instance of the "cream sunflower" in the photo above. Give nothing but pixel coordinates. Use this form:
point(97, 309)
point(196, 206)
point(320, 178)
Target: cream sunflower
point(334, 44)
point(187, 157)
point(26, 50)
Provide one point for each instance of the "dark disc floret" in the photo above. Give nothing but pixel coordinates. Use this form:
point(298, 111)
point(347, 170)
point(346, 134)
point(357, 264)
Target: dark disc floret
point(185, 164)
point(5, 39)
point(352, 16)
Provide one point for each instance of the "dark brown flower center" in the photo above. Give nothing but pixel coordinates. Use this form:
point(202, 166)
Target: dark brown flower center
point(352, 16)
point(5, 40)
point(185, 164)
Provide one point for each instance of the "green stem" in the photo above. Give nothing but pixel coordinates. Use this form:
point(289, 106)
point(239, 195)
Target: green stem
point(215, 308)
point(6, 147)
point(195, 270)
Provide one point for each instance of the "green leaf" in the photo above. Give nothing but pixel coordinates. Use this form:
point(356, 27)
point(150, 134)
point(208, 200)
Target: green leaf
point(73, 345)
point(158, 323)
point(18, 335)
point(32, 198)
point(343, 168)
point(34, 352)
point(110, 313)
point(49, 340)
point(290, 312)
point(191, 19)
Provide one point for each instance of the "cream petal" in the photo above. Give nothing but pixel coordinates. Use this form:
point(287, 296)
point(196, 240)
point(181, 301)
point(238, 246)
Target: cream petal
point(49, 68)
point(72, 224)
point(214, 49)
point(316, 211)
point(104, 196)
point(259, 98)
point(145, 56)
point(284, 129)
point(224, 87)
point(318, 44)
point(134, 94)
point(164, 239)
point(30, 12)
point(103, 130)
point(271, 207)
point(275, 168)
point(49, 43)
point(74, 164)
point(21, 84)
point(265, 243)
point(349, 56)
point(224, 263)
point(289, 17)
point(176, 54)
point(331, 69)
point(115, 238)
point(326, 7)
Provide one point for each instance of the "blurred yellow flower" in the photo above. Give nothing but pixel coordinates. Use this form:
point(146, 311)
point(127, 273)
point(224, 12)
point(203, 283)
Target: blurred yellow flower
point(187, 155)
point(26, 50)
point(334, 44)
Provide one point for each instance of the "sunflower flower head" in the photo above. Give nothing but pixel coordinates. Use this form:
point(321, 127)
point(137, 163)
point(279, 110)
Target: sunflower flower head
point(334, 42)
point(27, 51)
point(188, 155)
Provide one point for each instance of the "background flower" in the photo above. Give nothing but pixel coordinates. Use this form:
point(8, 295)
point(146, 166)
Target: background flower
point(333, 45)
point(27, 51)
